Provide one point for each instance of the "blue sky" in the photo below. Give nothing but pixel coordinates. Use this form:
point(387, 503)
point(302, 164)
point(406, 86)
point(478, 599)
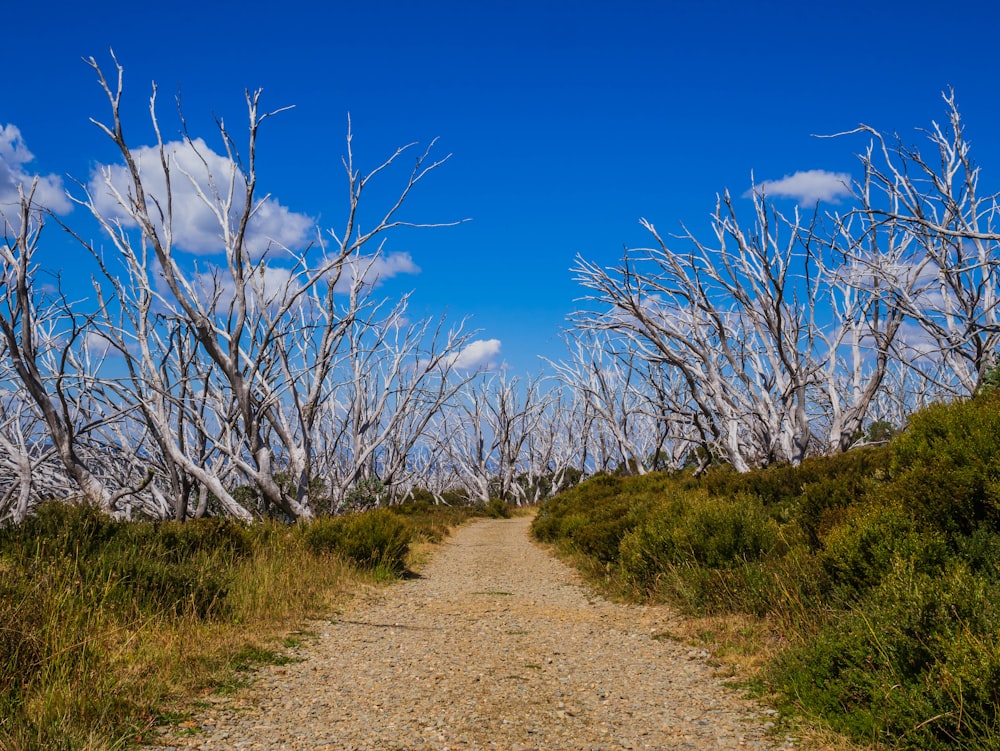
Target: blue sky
point(566, 122)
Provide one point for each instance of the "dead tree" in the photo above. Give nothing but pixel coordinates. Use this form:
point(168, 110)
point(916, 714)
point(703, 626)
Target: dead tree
point(948, 279)
point(243, 308)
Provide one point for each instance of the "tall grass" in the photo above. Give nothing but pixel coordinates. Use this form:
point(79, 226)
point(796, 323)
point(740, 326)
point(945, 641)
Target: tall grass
point(105, 625)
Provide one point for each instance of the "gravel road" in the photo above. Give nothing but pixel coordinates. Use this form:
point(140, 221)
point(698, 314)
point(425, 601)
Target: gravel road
point(497, 645)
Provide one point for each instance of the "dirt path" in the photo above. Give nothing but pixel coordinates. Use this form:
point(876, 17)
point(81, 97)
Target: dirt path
point(496, 646)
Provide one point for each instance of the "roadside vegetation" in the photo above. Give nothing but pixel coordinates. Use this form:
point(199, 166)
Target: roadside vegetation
point(110, 627)
point(874, 573)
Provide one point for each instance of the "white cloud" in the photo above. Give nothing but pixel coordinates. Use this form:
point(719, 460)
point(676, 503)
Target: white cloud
point(376, 269)
point(196, 170)
point(97, 345)
point(14, 155)
point(478, 354)
point(806, 186)
point(917, 343)
point(213, 287)
point(270, 286)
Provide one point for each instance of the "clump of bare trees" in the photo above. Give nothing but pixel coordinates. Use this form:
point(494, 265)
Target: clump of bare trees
point(783, 335)
point(259, 378)
point(233, 359)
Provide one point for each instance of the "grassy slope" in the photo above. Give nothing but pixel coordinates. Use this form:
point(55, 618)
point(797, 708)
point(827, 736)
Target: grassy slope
point(106, 628)
point(865, 587)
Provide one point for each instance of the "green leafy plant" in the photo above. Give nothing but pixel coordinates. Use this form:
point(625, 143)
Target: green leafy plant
point(946, 465)
point(497, 509)
point(376, 539)
point(880, 567)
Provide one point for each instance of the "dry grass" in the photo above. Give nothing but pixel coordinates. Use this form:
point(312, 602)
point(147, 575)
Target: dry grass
point(273, 598)
point(101, 672)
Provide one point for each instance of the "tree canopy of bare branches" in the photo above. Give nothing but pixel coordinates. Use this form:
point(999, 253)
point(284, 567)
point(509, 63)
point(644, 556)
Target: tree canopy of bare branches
point(234, 358)
point(785, 333)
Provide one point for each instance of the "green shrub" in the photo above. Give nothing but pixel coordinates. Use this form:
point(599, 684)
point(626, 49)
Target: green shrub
point(322, 535)
point(559, 516)
point(916, 665)
point(695, 529)
point(882, 566)
point(376, 539)
point(196, 585)
point(873, 539)
point(835, 484)
point(593, 517)
point(705, 554)
point(777, 486)
point(430, 521)
point(421, 502)
point(59, 528)
point(946, 465)
point(727, 533)
point(813, 494)
point(101, 621)
point(219, 536)
point(497, 509)
point(134, 566)
point(981, 550)
point(599, 534)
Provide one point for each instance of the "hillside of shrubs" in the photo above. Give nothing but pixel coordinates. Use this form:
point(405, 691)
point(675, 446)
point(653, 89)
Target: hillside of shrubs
point(879, 569)
point(106, 625)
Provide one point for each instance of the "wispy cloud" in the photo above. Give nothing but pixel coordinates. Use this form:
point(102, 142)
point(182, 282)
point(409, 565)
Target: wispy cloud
point(806, 186)
point(201, 183)
point(14, 156)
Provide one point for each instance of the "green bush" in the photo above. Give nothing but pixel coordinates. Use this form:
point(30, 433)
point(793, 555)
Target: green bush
point(881, 566)
point(101, 621)
point(497, 509)
point(70, 578)
point(376, 539)
point(137, 566)
point(833, 484)
point(776, 486)
point(558, 517)
point(695, 529)
point(915, 665)
point(946, 465)
point(322, 535)
point(196, 586)
point(59, 528)
point(812, 494)
point(593, 517)
point(705, 554)
point(218, 536)
point(874, 538)
point(725, 533)
point(599, 534)
point(430, 521)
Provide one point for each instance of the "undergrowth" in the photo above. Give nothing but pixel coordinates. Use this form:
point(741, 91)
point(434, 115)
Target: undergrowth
point(105, 625)
point(876, 572)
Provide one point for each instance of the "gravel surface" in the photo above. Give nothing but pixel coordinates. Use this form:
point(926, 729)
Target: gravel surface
point(497, 645)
